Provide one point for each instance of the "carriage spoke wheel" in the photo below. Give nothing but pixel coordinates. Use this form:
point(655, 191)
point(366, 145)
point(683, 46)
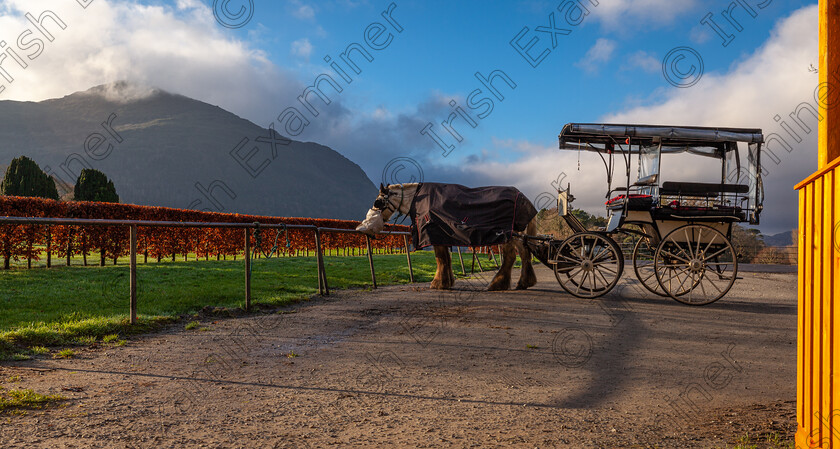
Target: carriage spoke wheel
point(643, 254)
point(588, 265)
point(695, 265)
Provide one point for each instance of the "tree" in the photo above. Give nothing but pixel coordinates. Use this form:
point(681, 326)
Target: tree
point(746, 242)
point(93, 185)
point(590, 222)
point(771, 255)
point(550, 223)
point(25, 178)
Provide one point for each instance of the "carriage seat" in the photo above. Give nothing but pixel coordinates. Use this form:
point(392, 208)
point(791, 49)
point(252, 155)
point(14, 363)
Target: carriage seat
point(675, 211)
point(703, 189)
point(634, 202)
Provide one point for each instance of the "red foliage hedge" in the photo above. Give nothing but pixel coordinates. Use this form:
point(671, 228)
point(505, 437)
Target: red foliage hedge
point(23, 241)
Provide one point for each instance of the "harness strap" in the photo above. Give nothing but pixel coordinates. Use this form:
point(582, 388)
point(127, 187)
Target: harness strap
point(397, 209)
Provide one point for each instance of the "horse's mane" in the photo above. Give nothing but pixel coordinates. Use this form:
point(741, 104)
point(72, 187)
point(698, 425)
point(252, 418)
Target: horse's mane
point(406, 186)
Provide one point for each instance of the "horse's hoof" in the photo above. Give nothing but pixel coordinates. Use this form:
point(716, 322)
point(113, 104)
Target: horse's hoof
point(523, 285)
point(438, 285)
point(495, 287)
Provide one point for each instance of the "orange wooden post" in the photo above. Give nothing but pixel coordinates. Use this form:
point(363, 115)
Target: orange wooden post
point(829, 130)
point(817, 393)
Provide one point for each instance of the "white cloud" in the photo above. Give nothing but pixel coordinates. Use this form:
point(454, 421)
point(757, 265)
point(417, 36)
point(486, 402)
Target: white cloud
point(382, 113)
point(619, 13)
point(353, 4)
point(645, 61)
point(301, 10)
point(188, 4)
point(302, 48)
point(519, 146)
point(538, 173)
point(178, 50)
point(773, 80)
point(700, 34)
point(600, 53)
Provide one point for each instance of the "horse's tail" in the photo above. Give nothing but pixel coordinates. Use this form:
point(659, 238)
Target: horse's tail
point(524, 215)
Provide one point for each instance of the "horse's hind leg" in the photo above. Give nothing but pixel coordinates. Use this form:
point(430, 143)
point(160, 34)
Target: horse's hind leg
point(527, 276)
point(443, 274)
point(450, 275)
point(501, 281)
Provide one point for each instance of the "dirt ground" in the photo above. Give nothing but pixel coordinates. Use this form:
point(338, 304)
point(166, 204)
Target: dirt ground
point(406, 366)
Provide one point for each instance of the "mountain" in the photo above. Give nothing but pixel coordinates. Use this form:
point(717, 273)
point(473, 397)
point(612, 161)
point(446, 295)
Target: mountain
point(163, 149)
point(780, 239)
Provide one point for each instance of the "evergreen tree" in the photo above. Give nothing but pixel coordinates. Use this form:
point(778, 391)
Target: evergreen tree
point(25, 178)
point(93, 185)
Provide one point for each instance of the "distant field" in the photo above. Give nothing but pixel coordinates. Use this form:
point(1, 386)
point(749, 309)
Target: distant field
point(66, 305)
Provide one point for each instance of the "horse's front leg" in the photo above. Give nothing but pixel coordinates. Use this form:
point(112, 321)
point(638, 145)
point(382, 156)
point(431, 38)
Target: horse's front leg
point(501, 281)
point(444, 278)
point(527, 276)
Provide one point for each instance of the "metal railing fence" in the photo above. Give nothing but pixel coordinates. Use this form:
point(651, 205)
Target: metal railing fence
point(132, 225)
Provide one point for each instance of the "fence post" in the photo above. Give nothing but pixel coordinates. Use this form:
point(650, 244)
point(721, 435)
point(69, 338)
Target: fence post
point(247, 268)
point(323, 288)
point(408, 256)
point(461, 258)
point(132, 277)
point(69, 243)
point(318, 262)
point(370, 260)
point(49, 247)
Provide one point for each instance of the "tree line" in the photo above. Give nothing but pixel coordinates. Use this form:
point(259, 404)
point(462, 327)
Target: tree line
point(25, 178)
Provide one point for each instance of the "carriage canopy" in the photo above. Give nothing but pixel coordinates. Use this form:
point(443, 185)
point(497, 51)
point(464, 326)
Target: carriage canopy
point(649, 143)
point(703, 141)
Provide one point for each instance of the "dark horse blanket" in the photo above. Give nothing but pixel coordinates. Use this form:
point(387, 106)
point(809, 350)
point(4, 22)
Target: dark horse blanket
point(454, 215)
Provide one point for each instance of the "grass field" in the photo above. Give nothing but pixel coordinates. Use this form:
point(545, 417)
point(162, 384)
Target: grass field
point(79, 305)
point(93, 258)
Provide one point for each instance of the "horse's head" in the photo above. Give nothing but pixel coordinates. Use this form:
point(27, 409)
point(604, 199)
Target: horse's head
point(381, 212)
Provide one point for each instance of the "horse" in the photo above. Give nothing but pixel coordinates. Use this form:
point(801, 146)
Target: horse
point(398, 198)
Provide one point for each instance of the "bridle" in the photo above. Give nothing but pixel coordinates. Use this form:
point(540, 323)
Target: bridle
point(377, 204)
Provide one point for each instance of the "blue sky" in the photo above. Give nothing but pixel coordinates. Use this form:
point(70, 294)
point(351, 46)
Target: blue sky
point(608, 67)
point(443, 45)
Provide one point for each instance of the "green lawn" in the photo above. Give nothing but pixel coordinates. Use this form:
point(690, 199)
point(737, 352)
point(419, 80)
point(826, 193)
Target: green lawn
point(67, 305)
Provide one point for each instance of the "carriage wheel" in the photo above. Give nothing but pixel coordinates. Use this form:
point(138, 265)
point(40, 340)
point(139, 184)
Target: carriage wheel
point(588, 265)
point(643, 257)
point(643, 254)
point(695, 264)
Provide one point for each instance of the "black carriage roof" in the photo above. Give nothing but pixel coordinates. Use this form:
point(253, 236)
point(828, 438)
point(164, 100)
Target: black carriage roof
point(600, 136)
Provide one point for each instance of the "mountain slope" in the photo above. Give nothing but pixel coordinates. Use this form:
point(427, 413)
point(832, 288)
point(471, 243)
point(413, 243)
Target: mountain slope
point(780, 239)
point(175, 152)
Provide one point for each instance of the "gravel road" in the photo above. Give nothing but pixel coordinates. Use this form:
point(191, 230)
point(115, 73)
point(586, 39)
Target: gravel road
point(407, 366)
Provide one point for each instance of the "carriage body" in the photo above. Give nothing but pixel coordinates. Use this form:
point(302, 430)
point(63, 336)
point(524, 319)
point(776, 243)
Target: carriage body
point(681, 229)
